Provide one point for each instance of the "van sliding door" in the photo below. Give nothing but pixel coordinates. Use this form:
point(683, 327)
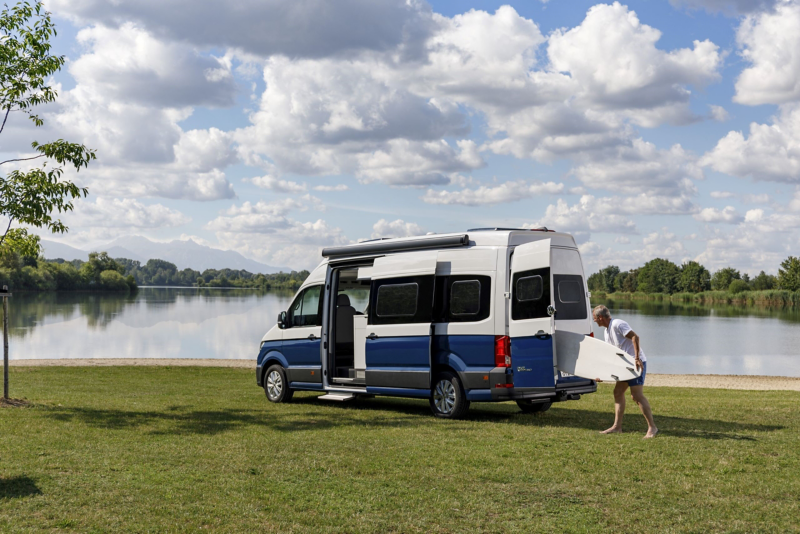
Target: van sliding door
point(398, 340)
point(531, 327)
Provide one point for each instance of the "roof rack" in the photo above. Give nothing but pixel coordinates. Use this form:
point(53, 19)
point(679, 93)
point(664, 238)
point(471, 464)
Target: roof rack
point(385, 246)
point(497, 229)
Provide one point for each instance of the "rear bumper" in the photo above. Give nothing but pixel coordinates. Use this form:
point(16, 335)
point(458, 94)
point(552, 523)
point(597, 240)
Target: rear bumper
point(570, 389)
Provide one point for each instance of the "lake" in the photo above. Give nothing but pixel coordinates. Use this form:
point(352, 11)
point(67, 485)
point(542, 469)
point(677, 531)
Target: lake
point(229, 323)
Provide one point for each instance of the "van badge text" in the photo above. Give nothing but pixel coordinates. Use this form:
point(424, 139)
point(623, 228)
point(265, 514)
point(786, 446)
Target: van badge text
point(522, 369)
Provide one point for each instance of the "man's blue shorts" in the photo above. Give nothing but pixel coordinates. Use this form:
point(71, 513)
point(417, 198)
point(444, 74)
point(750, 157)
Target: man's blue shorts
point(639, 381)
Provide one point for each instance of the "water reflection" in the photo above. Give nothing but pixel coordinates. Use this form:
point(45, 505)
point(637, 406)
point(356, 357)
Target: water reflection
point(154, 323)
point(228, 323)
point(687, 338)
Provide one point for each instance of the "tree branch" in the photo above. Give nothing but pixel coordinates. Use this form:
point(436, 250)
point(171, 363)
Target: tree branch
point(8, 110)
point(10, 220)
point(21, 159)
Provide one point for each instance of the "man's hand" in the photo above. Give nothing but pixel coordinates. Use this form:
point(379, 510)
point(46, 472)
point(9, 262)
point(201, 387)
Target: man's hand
point(639, 365)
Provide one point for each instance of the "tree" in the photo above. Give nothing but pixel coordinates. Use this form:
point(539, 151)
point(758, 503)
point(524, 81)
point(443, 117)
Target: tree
point(100, 262)
point(31, 197)
point(722, 279)
point(764, 281)
point(609, 273)
point(694, 278)
point(658, 276)
point(737, 286)
point(789, 274)
point(596, 282)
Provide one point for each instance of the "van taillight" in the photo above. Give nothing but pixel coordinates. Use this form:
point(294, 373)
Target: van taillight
point(591, 334)
point(502, 351)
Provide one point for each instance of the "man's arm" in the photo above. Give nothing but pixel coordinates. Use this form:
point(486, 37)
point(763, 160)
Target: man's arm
point(633, 337)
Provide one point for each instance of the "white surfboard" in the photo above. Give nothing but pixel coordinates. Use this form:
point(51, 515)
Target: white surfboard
point(587, 357)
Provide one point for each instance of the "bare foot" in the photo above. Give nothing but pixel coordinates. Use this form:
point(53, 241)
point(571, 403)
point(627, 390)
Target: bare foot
point(651, 433)
point(612, 430)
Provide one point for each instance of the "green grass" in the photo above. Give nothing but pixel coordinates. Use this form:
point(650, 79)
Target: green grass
point(184, 449)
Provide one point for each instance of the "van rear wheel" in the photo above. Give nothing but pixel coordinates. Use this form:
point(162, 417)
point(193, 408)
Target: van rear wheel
point(448, 399)
point(275, 385)
point(528, 406)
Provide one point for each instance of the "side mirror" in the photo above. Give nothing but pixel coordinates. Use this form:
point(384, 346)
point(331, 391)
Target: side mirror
point(282, 320)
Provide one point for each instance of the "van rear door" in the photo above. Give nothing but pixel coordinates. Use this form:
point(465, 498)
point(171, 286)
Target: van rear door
point(531, 326)
point(398, 340)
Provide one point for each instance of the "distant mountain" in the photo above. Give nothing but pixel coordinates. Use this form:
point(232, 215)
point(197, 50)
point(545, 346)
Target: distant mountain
point(53, 250)
point(182, 253)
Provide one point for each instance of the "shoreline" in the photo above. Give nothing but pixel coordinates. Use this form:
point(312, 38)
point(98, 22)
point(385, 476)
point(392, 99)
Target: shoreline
point(746, 382)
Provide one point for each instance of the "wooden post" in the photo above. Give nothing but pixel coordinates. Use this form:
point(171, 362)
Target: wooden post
point(5, 294)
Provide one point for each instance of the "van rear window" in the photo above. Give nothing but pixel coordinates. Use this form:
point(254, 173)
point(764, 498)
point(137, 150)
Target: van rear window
point(530, 288)
point(530, 294)
point(570, 297)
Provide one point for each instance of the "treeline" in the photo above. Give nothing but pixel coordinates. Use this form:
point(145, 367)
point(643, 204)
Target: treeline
point(100, 273)
point(164, 273)
point(692, 281)
point(103, 273)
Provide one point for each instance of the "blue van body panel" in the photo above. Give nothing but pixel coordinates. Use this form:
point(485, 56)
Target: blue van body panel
point(400, 392)
point(532, 362)
point(310, 386)
point(396, 353)
point(301, 351)
point(479, 395)
point(470, 351)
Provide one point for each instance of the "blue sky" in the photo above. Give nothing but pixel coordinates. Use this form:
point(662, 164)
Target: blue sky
point(647, 129)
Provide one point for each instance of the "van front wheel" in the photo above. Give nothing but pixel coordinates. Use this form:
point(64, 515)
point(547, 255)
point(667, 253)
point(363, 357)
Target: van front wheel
point(533, 407)
point(447, 397)
point(275, 385)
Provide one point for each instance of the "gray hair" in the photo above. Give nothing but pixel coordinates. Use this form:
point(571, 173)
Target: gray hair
point(601, 311)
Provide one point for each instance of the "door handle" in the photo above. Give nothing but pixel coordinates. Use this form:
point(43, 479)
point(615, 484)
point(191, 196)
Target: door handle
point(312, 337)
point(372, 336)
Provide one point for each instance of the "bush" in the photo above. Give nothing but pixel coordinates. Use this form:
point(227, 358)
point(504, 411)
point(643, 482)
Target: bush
point(738, 286)
point(113, 281)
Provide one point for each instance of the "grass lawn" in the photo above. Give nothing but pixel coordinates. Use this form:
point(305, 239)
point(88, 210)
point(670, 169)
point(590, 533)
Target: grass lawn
point(151, 449)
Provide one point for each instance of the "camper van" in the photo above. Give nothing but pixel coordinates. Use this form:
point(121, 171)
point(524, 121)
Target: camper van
point(453, 318)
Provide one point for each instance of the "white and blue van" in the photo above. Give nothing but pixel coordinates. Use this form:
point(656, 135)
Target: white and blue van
point(453, 318)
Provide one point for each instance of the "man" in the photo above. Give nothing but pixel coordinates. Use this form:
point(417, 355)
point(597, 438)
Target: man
point(619, 334)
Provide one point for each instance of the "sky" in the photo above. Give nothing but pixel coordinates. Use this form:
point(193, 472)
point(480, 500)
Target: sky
point(646, 129)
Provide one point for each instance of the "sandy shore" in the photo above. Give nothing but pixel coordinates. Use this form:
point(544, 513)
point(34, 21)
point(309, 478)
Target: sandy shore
point(763, 383)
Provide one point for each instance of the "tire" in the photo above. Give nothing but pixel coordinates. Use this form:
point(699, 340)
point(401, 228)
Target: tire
point(528, 406)
point(448, 399)
point(275, 385)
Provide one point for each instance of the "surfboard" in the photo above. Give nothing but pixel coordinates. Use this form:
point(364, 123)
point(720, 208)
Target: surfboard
point(587, 357)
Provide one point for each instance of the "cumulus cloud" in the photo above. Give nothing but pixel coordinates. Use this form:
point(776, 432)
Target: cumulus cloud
point(125, 213)
point(727, 7)
point(488, 195)
point(301, 28)
point(276, 184)
point(329, 188)
point(582, 218)
point(770, 42)
point(713, 215)
point(127, 64)
point(718, 113)
point(722, 194)
point(396, 228)
point(642, 168)
point(770, 152)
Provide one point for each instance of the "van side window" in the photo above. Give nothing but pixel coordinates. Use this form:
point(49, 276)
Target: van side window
point(530, 294)
point(397, 300)
point(570, 297)
point(465, 297)
point(462, 298)
point(305, 310)
point(404, 300)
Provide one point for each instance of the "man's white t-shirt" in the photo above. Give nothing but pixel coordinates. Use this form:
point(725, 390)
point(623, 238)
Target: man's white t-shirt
point(615, 334)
